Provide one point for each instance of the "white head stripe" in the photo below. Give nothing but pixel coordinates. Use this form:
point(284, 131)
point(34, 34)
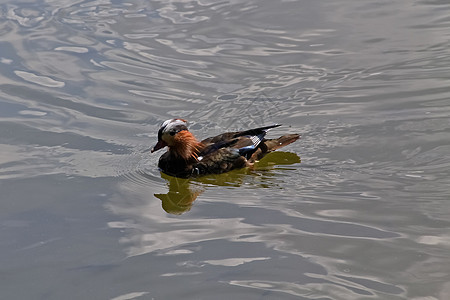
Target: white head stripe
point(166, 122)
point(169, 124)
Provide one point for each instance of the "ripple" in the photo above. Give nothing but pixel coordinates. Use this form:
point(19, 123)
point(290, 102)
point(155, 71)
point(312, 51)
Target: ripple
point(135, 169)
point(34, 113)
point(73, 49)
point(172, 13)
point(27, 17)
point(86, 83)
point(130, 296)
point(233, 262)
point(40, 80)
point(313, 290)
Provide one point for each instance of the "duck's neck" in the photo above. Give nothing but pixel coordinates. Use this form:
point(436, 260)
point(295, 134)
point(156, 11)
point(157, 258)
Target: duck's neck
point(186, 146)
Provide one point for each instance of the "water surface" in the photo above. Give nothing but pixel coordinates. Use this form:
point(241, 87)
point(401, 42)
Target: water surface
point(85, 213)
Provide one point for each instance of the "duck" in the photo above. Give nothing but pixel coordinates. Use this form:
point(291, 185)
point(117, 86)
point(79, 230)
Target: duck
point(188, 157)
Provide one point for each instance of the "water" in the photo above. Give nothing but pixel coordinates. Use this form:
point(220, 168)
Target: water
point(85, 214)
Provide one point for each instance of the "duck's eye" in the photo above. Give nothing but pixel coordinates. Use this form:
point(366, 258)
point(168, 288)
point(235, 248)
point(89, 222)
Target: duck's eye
point(172, 132)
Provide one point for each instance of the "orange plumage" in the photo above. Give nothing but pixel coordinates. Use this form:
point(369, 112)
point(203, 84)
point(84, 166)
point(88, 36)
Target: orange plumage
point(186, 145)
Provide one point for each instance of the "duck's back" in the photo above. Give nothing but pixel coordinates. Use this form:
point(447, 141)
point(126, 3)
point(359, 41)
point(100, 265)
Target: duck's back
point(228, 136)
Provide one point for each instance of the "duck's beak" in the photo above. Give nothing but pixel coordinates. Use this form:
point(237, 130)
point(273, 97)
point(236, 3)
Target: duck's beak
point(160, 144)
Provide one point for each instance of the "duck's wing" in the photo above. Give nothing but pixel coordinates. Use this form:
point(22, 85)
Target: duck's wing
point(219, 161)
point(246, 142)
point(224, 137)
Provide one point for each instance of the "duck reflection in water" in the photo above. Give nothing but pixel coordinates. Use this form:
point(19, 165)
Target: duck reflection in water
point(184, 191)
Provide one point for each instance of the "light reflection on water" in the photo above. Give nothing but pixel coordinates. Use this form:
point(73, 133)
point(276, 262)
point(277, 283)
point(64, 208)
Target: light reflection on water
point(84, 86)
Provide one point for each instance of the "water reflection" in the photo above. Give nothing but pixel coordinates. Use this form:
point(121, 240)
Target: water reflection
point(180, 197)
point(183, 192)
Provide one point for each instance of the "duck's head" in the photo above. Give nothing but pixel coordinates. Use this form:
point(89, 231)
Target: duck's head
point(167, 133)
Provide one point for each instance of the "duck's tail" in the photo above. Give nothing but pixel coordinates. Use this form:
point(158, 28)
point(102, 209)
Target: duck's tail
point(273, 144)
point(284, 140)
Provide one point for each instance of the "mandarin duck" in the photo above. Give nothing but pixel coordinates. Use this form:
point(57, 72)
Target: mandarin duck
point(188, 157)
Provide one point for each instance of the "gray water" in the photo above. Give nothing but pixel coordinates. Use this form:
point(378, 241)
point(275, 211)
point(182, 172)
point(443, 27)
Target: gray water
point(85, 213)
